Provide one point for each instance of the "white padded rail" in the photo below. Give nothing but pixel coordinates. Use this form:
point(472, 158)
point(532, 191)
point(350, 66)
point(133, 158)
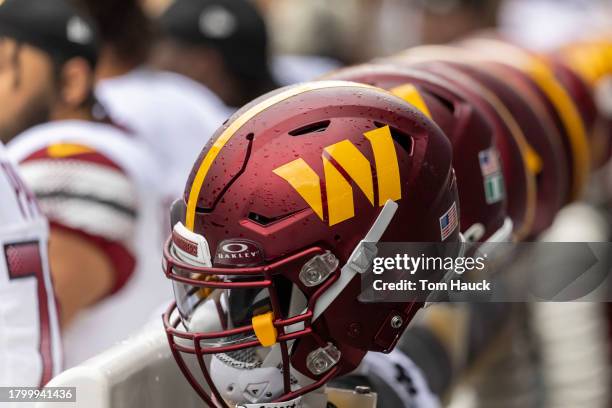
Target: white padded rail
point(137, 373)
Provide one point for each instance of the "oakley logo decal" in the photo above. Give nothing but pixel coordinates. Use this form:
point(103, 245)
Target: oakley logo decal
point(235, 248)
point(239, 252)
point(343, 163)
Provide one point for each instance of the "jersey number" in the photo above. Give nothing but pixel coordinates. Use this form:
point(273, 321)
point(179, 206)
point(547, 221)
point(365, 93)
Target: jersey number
point(24, 261)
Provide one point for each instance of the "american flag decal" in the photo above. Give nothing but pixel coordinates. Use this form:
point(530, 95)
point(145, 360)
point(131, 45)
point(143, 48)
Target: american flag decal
point(489, 162)
point(449, 222)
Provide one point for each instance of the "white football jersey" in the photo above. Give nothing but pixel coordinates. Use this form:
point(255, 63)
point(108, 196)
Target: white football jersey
point(94, 180)
point(171, 113)
point(30, 350)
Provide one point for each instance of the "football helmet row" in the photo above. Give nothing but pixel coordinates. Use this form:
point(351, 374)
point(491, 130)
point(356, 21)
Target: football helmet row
point(436, 144)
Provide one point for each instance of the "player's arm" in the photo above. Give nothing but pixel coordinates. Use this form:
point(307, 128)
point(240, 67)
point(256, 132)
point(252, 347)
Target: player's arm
point(83, 273)
point(91, 206)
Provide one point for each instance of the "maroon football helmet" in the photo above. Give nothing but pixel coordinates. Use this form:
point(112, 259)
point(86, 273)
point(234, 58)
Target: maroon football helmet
point(270, 238)
point(550, 117)
point(584, 99)
point(545, 157)
point(536, 74)
point(536, 116)
point(548, 162)
point(590, 59)
point(510, 141)
point(473, 138)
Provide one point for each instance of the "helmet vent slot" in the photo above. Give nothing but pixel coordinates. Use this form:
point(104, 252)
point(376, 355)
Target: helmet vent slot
point(311, 128)
point(446, 103)
point(401, 138)
point(265, 221)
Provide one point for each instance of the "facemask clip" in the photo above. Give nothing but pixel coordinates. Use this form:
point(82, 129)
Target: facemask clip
point(323, 359)
point(316, 270)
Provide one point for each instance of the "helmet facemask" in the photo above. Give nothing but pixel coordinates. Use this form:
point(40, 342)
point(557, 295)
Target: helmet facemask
point(240, 323)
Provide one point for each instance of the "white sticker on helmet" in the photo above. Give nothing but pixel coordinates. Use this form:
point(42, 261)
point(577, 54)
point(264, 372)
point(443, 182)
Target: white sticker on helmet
point(189, 246)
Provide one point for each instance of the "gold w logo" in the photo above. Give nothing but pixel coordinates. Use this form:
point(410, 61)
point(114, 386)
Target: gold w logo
point(343, 162)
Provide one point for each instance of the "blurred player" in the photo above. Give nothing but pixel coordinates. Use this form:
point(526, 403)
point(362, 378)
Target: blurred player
point(237, 64)
point(447, 20)
point(97, 187)
point(222, 44)
point(30, 352)
point(173, 115)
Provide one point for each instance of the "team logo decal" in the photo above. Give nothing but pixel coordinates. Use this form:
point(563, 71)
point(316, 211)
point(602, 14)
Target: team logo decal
point(355, 166)
point(411, 94)
point(492, 175)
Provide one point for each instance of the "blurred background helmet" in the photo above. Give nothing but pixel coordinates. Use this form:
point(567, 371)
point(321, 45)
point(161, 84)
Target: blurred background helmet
point(544, 155)
point(476, 159)
point(560, 103)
